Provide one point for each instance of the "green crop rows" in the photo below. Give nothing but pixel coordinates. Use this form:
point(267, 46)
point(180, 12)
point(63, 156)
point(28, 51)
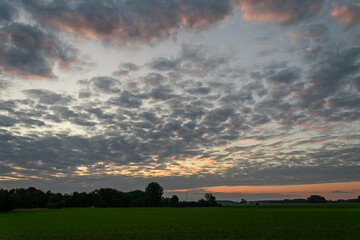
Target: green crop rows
point(249, 222)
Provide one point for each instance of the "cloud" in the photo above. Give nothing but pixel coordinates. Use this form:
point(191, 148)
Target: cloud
point(126, 99)
point(348, 15)
point(7, 12)
point(164, 64)
point(129, 22)
point(30, 52)
point(284, 12)
point(7, 121)
point(125, 69)
point(48, 97)
point(337, 191)
point(285, 76)
point(105, 84)
point(4, 84)
point(330, 72)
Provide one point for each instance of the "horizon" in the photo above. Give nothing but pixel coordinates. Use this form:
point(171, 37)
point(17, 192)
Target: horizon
point(242, 98)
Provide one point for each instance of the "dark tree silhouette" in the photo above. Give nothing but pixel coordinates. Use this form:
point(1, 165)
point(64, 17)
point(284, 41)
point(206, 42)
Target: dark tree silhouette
point(138, 198)
point(210, 199)
point(154, 194)
point(5, 203)
point(174, 200)
point(316, 199)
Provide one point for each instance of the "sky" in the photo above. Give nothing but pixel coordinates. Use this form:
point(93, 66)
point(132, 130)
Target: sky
point(254, 99)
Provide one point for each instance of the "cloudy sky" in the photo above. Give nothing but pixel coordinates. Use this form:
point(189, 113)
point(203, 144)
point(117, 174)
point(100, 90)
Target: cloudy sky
point(255, 99)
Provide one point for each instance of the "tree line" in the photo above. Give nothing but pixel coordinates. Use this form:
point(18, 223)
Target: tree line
point(103, 197)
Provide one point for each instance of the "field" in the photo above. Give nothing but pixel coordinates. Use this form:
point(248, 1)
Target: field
point(245, 222)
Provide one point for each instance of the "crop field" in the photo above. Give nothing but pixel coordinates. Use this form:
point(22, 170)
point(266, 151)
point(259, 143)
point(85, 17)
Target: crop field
point(245, 222)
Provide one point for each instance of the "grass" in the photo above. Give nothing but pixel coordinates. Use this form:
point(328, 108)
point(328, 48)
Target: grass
point(246, 222)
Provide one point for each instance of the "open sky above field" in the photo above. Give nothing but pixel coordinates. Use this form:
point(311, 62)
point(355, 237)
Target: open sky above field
point(237, 97)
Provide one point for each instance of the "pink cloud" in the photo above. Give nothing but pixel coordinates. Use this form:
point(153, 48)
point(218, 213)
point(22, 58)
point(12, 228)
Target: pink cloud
point(284, 12)
point(347, 15)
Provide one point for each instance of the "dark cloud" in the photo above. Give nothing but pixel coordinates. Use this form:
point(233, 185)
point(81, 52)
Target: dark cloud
point(30, 52)
point(154, 79)
point(48, 97)
point(127, 100)
point(129, 21)
point(200, 90)
point(164, 64)
point(330, 72)
point(285, 76)
point(7, 12)
point(125, 69)
point(285, 12)
point(105, 84)
point(7, 121)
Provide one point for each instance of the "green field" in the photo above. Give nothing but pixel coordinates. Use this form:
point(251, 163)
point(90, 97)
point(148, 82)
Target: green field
point(250, 222)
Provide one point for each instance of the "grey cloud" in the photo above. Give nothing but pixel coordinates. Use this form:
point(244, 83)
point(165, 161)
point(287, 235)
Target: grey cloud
point(317, 32)
point(6, 121)
point(48, 97)
point(125, 69)
point(7, 12)
point(84, 93)
point(285, 76)
point(164, 64)
point(127, 100)
point(356, 82)
point(8, 105)
point(199, 60)
point(30, 52)
point(329, 73)
point(217, 116)
point(161, 94)
point(200, 90)
point(153, 78)
point(151, 117)
point(130, 66)
point(4, 84)
point(268, 52)
point(105, 84)
point(99, 113)
point(32, 122)
point(83, 122)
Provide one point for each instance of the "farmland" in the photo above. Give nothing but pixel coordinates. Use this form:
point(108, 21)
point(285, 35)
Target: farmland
point(244, 222)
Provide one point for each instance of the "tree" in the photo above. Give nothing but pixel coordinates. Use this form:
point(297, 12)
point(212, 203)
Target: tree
point(316, 199)
point(138, 198)
point(210, 199)
point(154, 194)
point(174, 200)
point(5, 204)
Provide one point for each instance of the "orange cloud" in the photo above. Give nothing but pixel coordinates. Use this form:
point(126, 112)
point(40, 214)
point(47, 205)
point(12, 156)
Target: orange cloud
point(285, 12)
point(246, 139)
point(346, 14)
